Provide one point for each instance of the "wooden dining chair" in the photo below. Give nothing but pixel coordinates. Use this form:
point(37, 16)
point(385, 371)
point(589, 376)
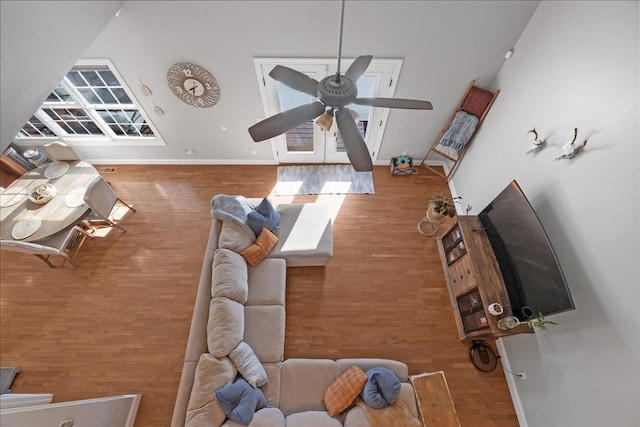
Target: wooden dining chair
point(64, 244)
point(102, 200)
point(59, 151)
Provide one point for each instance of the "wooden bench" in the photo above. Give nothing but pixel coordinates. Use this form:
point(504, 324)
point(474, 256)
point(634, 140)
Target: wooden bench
point(434, 400)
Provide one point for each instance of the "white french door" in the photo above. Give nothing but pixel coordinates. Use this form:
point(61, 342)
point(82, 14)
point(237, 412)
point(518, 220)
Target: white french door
point(308, 143)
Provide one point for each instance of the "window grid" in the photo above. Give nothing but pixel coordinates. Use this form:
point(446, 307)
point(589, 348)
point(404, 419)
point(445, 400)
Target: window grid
point(74, 121)
point(95, 103)
point(35, 128)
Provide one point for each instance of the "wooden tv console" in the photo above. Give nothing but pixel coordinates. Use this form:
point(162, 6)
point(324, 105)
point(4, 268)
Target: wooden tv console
point(474, 281)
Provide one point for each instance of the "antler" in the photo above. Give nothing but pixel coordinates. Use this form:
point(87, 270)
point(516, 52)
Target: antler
point(575, 135)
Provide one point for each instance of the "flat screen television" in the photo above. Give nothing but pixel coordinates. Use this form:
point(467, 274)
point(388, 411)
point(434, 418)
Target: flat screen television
point(530, 269)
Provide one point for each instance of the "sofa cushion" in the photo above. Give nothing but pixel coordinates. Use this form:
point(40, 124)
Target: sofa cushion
point(264, 215)
point(211, 374)
point(266, 417)
point(303, 383)
point(408, 396)
point(261, 248)
point(355, 417)
point(344, 390)
point(225, 326)
point(264, 331)
point(230, 278)
point(381, 389)
point(305, 235)
point(248, 365)
point(233, 237)
point(271, 389)
point(267, 282)
point(312, 419)
point(240, 401)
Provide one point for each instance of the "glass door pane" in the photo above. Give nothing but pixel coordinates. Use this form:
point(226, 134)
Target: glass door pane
point(301, 138)
point(366, 89)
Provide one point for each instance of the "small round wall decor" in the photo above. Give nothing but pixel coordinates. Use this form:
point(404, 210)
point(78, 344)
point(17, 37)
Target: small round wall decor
point(193, 84)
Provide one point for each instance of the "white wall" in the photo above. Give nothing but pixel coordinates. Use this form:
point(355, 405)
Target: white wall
point(38, 47)
point(575, 65)
point(444, 45)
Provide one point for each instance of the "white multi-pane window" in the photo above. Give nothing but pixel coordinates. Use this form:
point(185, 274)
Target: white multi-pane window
point(90, 105)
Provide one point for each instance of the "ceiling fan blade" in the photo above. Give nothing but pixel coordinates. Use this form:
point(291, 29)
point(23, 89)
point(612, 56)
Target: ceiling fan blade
point(357, 150)
point(285, 121)
point(295, 80)
point(410, 104)
point(359, 66)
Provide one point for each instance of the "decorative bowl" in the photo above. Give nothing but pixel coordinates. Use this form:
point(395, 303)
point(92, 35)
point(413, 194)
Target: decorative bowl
point(42, 194)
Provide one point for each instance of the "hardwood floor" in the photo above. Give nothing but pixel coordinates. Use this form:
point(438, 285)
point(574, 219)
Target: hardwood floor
point(119, 323)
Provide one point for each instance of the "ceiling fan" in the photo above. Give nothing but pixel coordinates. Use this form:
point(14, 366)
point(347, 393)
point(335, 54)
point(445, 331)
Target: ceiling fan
point(335, 93)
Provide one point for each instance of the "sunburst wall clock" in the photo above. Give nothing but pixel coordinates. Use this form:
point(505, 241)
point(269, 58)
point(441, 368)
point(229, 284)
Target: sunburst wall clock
point(193, 84)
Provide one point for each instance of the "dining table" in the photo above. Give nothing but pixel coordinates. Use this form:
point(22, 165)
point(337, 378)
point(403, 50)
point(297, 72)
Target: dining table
point(24, 217)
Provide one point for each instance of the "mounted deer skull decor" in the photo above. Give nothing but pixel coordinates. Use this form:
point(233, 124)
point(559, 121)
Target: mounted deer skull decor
point(570, 149)
point(537, 143)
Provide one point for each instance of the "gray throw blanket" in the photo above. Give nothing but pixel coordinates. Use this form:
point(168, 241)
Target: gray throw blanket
point(234, 209)
point(460, 130)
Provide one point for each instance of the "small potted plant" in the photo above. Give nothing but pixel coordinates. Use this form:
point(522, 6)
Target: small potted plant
point(440, 206)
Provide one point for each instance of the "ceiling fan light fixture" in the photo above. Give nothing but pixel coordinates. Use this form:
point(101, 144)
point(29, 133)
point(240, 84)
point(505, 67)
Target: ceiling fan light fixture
point(325, 121)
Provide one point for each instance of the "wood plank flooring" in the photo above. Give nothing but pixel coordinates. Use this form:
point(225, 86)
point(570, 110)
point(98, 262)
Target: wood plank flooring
point(119, 323)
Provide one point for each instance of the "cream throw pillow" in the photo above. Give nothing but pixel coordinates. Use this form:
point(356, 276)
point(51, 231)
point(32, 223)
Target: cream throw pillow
point(248, 365)
point(225, 326)
point(229, 276)
point(211, 374)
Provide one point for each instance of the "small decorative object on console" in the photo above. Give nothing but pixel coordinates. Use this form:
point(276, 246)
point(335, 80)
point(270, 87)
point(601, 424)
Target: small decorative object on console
point(495, 309)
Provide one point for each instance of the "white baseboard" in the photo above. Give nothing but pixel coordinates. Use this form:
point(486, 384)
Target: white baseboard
point(222, 162)
point(511, 383)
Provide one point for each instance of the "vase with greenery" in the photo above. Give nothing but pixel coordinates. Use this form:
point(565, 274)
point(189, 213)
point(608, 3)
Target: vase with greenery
point(441, 206)
point(540, 322)
point(510, 322)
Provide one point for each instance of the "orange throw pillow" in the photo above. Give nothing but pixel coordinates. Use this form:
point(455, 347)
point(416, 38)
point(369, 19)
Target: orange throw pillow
point(344, 390)
point(255, 253)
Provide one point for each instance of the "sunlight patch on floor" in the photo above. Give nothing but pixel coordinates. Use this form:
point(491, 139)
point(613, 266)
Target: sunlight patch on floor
point(117, 214)
point(334, 201)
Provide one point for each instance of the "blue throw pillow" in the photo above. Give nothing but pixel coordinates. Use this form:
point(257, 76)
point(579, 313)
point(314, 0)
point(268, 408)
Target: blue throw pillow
point(240, 401)
point(381, 389)
point(264, 215)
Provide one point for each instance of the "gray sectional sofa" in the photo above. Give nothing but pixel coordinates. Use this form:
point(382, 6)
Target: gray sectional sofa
point(295, 388)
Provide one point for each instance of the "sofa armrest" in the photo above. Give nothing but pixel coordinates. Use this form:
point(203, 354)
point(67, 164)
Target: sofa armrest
point(184, 393)
point(197, 343)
